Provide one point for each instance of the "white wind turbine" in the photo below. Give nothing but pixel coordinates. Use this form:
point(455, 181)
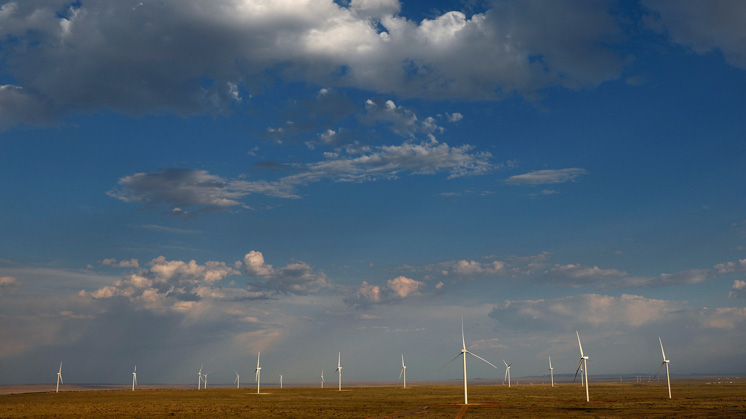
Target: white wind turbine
point(280, 380)
point(339, 370)
point(403, 372)
point(665, 362)
point(463, 353)
point(205, 380)
point(322, 378)
point(584, 364)
point(59, 378)
point(134, 378)
point(199, 377)
point(258, 371)
point(237, 381)
point(551, 370)
point(507, 372)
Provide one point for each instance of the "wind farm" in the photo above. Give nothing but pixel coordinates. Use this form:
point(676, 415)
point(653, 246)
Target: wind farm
point(613, 398)
point(694, 399)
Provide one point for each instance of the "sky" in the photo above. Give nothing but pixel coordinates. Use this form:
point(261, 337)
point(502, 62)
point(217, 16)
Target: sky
point(188, 182)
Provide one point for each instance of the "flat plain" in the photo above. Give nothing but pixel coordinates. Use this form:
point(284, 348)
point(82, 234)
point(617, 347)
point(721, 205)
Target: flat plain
point(691, 399)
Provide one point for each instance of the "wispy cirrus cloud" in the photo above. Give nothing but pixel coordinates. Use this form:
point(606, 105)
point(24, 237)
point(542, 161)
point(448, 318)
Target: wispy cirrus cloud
point(544, 177)
point(188, 192)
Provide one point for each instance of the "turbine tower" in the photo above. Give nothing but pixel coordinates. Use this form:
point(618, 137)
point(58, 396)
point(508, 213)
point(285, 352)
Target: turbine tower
point(551, 370)
point(237, 381)
point(403, 372)
point(134, 378)
point(59, 378)
point(463, 353)
point(584, 364)
point(258, 371)
point(339, 370)
point(199, 377)
point(322, 378)
point(507, 372)
point(665, 362)
point(280, 380)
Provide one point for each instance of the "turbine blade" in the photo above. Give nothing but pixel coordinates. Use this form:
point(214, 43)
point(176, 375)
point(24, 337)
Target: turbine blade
point(463, 341)
point(506, 364)
point(659, 369)
point(257, 359)
point(493, 366)
point(402, 372)
point(506, 374)
point(579, 345)
point(402, 360)
point(662, 353)
point(580, 364)
point(454, 358)
point(550, 362)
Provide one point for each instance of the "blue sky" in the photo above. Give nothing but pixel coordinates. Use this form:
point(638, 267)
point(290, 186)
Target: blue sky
point(190, 182)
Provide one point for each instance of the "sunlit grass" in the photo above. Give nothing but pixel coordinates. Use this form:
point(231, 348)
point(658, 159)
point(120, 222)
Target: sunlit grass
point(690, 399)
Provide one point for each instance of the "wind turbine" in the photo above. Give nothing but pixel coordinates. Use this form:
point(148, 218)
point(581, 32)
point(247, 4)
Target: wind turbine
point(403, 372)
point(199, 377)
point(463, 353)
point(507, 372)
point(280, 380)
point(258, 376)
point(551, 370)
point(583, 363)
point(339, 370)
point(665, 362)
point(59, 378)
point(205, 378)
point(322, 378)
point(237, 380)
point(134, 378)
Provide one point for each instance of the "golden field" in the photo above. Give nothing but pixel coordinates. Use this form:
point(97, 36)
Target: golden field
point(691, 399)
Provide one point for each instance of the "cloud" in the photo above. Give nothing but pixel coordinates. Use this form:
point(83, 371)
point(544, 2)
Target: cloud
point(173, 286)
point(578, 275)
point(738, 290)
point(138, 57)
point(189, 192)
point(396, 289)
point(402, 121)
point(543, 177)
point(728, 267)
point(132, 263)
point(691, 276)
point(583, 311)
point(703, 26)
point(467, 269)
point(727, 318)
point(8, 283)
point(178, 190)
point(295, 278)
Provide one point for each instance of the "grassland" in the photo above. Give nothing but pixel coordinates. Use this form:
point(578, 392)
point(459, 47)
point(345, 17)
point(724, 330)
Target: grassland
point(691, 400)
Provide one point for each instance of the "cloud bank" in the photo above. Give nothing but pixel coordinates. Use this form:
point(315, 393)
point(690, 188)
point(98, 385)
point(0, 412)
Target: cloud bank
point(138, 57)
